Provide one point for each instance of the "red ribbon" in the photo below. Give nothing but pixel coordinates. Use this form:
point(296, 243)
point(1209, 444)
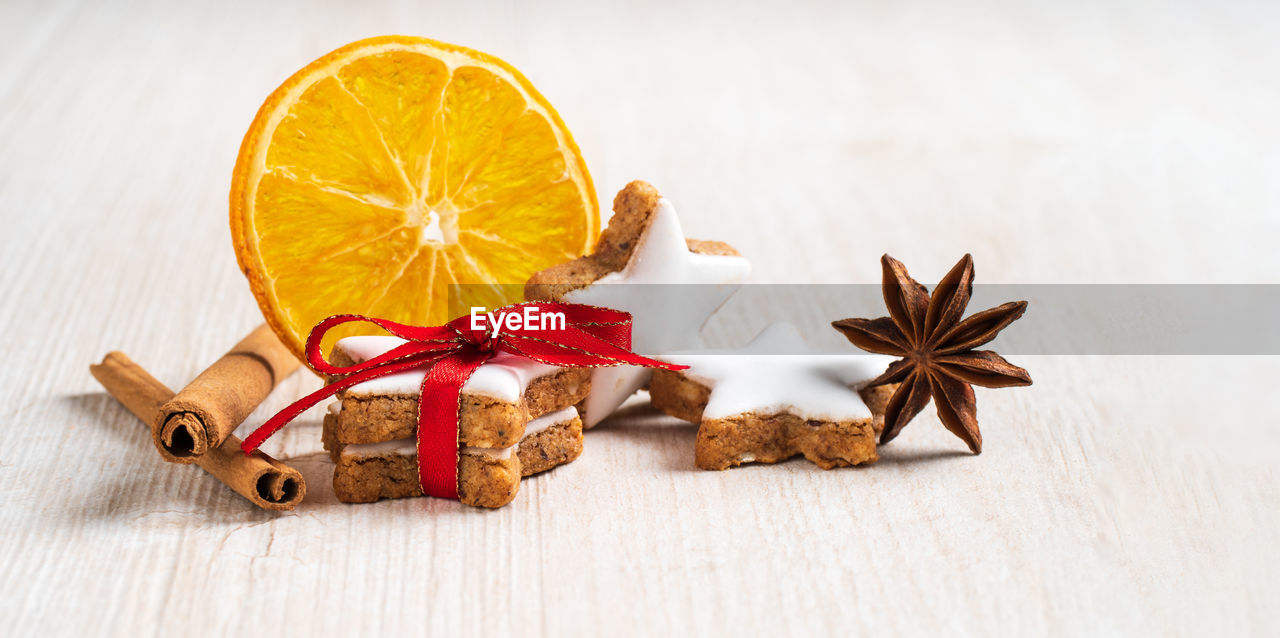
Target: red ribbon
point(591, 337)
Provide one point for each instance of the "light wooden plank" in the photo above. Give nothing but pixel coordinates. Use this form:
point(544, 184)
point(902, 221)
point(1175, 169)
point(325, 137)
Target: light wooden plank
point(1067, 142)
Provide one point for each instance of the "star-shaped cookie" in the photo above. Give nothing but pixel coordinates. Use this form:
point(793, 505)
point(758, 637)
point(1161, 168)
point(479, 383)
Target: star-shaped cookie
point(775, 398)
point(643, 264)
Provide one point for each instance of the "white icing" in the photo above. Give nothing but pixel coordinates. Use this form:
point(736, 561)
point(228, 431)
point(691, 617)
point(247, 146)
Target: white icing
point(804, 382)
point(491, 452)
point(547, 420)
point(408, 447)
point(667, 317)
point(335, 408)
point(504, 377)
point(395, 447)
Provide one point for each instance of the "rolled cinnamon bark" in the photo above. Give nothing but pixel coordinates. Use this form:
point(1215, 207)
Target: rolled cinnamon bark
point(266, 482)
point(203, 414)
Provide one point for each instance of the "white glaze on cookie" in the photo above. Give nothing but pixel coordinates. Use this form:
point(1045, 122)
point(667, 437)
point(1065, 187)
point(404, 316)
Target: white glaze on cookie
point(801, 381)
point(504, 377)
point(407, 447)
point(666, 317)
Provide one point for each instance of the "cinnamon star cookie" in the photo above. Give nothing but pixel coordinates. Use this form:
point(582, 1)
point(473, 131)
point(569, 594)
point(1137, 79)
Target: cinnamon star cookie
point(643, 264)
point(776, 398)
point(516, 417)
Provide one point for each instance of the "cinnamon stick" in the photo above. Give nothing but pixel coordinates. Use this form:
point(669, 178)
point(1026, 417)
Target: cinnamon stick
point(266, 482)
point(203, 414)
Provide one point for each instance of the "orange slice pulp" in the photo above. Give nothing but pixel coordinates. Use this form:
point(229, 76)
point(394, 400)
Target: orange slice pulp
point(393, 167)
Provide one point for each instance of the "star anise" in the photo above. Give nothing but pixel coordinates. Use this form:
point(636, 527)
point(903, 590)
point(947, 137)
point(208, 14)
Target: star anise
point(937, 349)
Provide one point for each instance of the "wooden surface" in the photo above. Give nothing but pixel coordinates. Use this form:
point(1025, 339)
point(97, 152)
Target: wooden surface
point(1056, 141)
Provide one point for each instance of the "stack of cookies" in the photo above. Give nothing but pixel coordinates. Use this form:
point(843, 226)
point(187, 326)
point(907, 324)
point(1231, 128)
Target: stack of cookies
point(516, 418)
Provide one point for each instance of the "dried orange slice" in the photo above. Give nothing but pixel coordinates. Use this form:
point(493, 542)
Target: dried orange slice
point(389, 169)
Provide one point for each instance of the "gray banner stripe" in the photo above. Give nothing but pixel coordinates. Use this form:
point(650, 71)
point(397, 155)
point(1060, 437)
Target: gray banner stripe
point(1088, 319)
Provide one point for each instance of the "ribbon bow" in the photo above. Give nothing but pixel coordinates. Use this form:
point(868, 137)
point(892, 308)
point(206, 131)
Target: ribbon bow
point(589, 336)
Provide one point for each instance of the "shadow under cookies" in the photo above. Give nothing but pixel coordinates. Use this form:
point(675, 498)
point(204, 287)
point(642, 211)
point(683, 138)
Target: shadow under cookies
point(671, 440)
